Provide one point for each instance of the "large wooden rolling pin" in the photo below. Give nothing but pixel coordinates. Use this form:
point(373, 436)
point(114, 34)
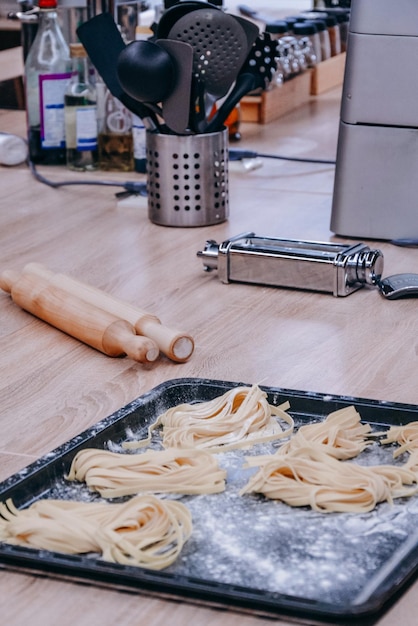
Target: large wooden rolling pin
point(90, 324)
point(177, 345)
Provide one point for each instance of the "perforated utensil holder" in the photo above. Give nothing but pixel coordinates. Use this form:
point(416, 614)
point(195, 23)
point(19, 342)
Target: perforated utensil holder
point(187, 178)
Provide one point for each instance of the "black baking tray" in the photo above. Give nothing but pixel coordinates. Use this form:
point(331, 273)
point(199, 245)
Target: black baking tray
point(245, 552)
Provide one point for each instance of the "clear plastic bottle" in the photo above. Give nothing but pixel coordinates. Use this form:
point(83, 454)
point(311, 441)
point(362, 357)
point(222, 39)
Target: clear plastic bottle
point(47, 71)
point(80, 112)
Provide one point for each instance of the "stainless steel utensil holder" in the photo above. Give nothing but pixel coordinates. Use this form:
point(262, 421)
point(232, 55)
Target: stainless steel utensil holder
point(187, 178)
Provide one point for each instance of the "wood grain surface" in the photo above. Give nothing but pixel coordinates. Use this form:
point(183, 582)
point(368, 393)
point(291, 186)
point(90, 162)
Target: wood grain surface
point(52, 386)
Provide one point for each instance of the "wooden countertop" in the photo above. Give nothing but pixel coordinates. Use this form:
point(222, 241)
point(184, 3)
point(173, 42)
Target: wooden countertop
point(11, 63)
point(52, 387)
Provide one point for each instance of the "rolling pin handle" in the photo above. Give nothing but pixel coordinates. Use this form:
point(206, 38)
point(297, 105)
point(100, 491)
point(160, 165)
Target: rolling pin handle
point(7, 280)
point(120, 337)
point(178, 346)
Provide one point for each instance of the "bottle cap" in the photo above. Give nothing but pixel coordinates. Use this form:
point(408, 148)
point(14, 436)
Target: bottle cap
point(305, 28)
point(277, 27)
point(77, 50)
point(331, 20)
point(321, 24)
point(47, 4)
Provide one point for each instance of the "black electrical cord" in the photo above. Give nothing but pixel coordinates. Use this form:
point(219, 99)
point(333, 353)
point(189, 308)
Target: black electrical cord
point(138, 188)
point(239, 155)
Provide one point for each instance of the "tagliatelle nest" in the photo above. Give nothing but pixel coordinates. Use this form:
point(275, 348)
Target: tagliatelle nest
point(164, 471)
point(145, 531)
point(308, 476)
point(240, 417)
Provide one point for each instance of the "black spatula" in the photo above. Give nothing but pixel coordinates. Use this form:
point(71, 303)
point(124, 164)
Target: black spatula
point(103, 43)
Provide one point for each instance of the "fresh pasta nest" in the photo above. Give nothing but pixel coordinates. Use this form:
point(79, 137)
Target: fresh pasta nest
point(311, 469)
point(240, 417)
point(341, 435)
point(145, 531)
point(308, 476)
point(164, 471)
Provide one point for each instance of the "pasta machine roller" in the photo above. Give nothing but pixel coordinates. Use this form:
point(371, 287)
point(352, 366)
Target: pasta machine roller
point(333, 268)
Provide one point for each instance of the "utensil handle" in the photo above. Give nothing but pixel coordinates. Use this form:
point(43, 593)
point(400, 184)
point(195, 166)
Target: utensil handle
point(243, 84)
point(175, 344)
point(90, 324)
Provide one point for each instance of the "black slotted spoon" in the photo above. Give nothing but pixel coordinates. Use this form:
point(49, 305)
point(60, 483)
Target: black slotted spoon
point(220, 48)
point(176, 11)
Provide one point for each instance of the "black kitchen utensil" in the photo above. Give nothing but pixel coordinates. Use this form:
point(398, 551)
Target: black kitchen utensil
point(177, 105)
point(146, 71)
point(172, 15)
point(220, 47)
point(251, 32)
point(175, 12)
point(159, 71)
point(103, 43)
point(256, 73)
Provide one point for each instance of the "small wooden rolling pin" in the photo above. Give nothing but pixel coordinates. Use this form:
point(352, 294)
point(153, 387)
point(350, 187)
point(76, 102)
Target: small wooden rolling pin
point(177, 345)
point(90, 324)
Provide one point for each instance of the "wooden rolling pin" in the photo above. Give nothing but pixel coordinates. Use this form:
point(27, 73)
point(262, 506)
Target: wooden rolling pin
point(90, 324)
point(177, 345)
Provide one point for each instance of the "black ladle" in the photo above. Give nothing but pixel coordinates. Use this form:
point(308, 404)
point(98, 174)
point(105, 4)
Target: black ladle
point(159, 71)
point(146, 71)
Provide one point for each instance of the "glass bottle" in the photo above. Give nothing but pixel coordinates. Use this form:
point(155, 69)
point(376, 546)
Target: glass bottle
point(305, 32)
point(116, 151)
point(47, 70)
point(80, 113)
point(343, 17)
point(324, 38)
point(277, 30)
point(334, 35)
point(139, 143)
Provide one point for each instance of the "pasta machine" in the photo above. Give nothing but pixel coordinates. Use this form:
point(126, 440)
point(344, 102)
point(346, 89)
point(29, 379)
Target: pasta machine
point(333, 268)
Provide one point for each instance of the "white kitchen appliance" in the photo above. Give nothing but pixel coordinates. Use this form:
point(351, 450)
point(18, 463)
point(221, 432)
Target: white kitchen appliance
point(376, 177)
